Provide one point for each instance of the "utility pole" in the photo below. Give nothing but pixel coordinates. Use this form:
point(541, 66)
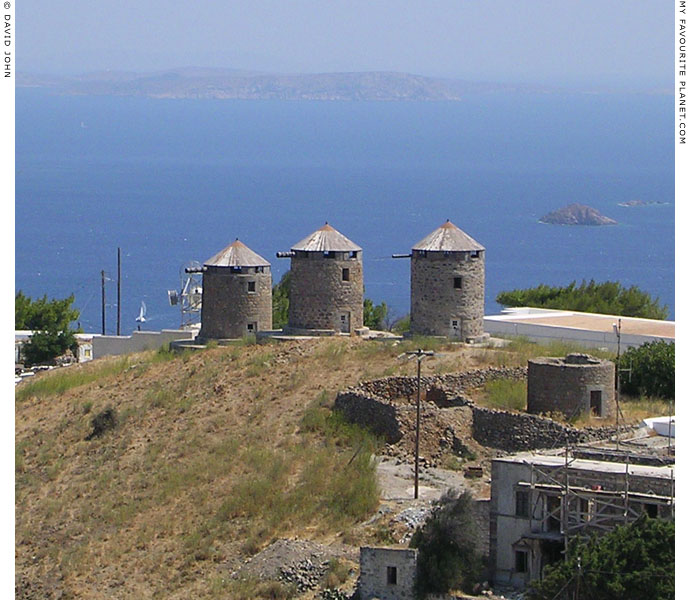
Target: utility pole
point(420, 355)
point(118, 291)
point(103, 302)
point(617, 330)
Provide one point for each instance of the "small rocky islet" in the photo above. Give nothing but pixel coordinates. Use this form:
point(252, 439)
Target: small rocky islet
point(577, 214)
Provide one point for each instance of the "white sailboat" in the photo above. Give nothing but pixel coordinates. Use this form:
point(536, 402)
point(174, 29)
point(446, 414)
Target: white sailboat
point(142, 313)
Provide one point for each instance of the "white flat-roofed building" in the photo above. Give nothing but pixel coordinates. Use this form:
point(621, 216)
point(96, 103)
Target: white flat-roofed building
point(590, 330)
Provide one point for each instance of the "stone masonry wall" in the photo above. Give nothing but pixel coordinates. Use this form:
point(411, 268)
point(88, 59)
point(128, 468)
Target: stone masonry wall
point(318, 293)
point(555, 384)
point(227, 305)
point(435, 302)
point(514, 432)
point(374, 565)
point(383, 406)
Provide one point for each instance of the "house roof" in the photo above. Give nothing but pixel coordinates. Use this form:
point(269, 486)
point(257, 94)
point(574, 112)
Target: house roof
point(448, 238)
point(326, 239)
point(237, 255)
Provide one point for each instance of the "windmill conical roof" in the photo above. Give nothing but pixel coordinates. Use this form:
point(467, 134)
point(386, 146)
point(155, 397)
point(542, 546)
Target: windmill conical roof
point(448, 238)
point(326, 239)
point(237, 255)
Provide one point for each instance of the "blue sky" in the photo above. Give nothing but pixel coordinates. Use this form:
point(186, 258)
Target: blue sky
point(628, 42)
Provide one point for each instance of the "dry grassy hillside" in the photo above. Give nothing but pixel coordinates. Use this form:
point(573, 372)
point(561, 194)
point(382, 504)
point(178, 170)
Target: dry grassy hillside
point(213, 455)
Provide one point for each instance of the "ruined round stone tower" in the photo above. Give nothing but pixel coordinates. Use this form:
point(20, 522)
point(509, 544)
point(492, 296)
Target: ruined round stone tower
point(326, 283)
point(447, 285)
point(576, 384)
point(237, 294)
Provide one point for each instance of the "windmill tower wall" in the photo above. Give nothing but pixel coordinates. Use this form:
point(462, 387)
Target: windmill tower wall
point(236, 302)
point(447, 285)
point(326, 291)
point(237, 294)
point(447, 293)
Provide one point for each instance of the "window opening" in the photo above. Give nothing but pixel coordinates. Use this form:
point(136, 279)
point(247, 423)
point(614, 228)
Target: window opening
point(346, 274)
point(521, 503)
point(392, 575)
point(652, 510)
point(251, 286)
point(457, 283)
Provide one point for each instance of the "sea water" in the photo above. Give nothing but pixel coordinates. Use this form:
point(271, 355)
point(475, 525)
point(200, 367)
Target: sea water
point(171, 181)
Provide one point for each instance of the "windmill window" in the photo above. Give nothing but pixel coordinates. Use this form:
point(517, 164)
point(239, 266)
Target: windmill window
point(346, 274)
point(353, 254)
point(392, 575)
point(251, 286)
point(250, 326)
point(457, 283)
point(329, 254)
point(652, 510)
point(474, 254)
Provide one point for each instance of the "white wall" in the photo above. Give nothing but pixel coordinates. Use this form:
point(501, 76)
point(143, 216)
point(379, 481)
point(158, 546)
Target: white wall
point(543, 334)
point(107, 345)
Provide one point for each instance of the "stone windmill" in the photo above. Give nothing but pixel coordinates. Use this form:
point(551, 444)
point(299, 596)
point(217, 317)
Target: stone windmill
point(326, 284)
point(237, 294)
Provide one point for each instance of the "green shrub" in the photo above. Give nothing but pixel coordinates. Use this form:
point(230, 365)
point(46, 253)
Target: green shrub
point(609, 297)
point(653, 370)
point(632, 562)
point(448, 557)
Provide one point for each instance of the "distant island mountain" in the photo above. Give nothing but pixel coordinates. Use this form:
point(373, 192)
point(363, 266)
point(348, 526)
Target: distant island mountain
point(250, 85)
point(640, 203)
point(577, 214)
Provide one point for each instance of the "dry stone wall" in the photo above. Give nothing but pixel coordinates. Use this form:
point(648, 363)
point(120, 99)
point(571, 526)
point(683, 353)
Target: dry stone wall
point(386, 407)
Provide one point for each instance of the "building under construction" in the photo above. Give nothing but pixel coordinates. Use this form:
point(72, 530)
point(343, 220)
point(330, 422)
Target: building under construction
point(541, 501)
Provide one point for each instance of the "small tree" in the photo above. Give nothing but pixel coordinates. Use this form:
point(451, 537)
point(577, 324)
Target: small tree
point(374, 316)
point(448, 557)
point(633, 562)
point(50, 321)
point(652, 370)
point(281, 301)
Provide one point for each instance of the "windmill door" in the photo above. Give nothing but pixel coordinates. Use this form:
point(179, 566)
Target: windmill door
point(344, 322)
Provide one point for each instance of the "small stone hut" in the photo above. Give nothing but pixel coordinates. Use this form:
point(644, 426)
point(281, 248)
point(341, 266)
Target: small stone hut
point(237, 294)
point(447, 285)
point(576, 384)
point(326, 284)
point(387, 573)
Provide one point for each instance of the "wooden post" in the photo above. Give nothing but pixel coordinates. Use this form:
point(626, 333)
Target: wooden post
point(118, 291)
